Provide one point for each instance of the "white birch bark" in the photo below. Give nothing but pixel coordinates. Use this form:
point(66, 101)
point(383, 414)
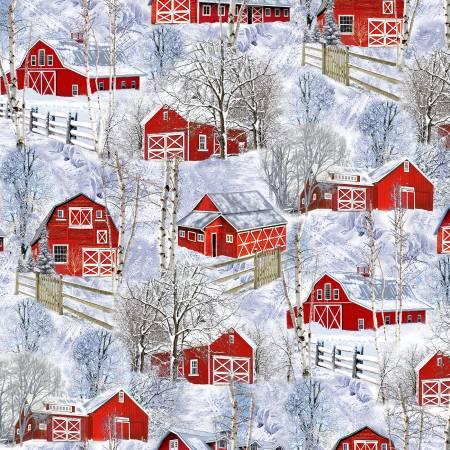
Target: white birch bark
point(173, 213)
point(409, 15)
point(163, 217)
point(447, 430)
point(447, 23)
point(234, 416)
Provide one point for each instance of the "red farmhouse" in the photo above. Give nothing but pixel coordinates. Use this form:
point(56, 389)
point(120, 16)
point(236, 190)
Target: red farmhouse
point(343, 301)
point(81, 237)
point(2, 240)
point(229, 356)
point(443, 233)
point(366, 23)
point(193, 440)
point(57, 67)
point(212, 11)
point(397, 182)
point(167, 134)
point(233, 224)
point(433, 375)
point(113, 413)
point(364, 439)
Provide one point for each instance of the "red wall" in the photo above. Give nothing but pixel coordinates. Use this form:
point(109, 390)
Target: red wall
point(195, 246)
point(2, 244)
point(366, 434)
point(205, 204)
point(77, 239)
point(445, 223)
point(431, 371)
point(166, 442)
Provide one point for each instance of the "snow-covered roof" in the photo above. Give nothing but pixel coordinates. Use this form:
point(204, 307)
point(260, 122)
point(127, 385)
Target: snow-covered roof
point(238, 202)
point(261, 445)
point(428, 358)
point(41, 407)
point(255, 219)
point(2, 233)
point(193, 439)
point(371, 428)
point(276, 3)
point(332, 175)
point(444, 215)
point(358, 289)
point(197, 219)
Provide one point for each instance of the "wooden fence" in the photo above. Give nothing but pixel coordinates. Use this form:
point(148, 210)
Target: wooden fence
point(350, 361)
point(267, 266)
point(52, 292)
point(63, 127)
point(340, 64)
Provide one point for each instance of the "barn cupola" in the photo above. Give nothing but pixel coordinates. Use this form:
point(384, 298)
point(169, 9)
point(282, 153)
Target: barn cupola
point(77, 36)
point(362, 269)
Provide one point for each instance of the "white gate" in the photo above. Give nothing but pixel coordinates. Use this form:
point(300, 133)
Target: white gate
point(66, 429)
point(226, 368)
point(172, 11)
point(43, 82)
point(329, 316)
point(436, 392)
point(98, 262)
point(162, 146)
point(383, 32)
point(445, 239)
point(351, 199)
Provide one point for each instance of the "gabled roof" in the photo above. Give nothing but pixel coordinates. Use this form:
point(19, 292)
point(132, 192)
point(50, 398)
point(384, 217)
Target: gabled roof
point(193, 439)
point(198, 219)
point(427, 359)
point(357, 432)
point(444, 215)
point(239, 202)
point(379, 173)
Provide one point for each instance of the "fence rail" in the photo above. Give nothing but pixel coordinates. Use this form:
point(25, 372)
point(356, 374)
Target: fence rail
point(63, 127)
point(49, 291)
point(350, 361)
point(340, 64)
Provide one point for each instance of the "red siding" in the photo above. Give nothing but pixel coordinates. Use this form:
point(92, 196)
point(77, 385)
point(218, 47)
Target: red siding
point(206, 204)
point(445, 223)
point(165, 444)
point(365, 435)
point(188, 240)
point(431, 371)
point(2, 244)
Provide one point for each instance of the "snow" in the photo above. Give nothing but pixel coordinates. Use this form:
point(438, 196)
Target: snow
point(197, 219)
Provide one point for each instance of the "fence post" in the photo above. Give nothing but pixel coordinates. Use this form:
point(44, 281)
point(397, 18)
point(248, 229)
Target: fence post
point(355, 362)
point(53, 119)
point(60, 295)
point(47, 123)
point(256, 271)
point(6, 110)
point(317, 359)
point(32, 110)
point(16, 286)
point(69, 118)
point(324, 58)
point(37, 287)
point(304, 54)
point(279, 262)
point(347, 67)
point(333, 358)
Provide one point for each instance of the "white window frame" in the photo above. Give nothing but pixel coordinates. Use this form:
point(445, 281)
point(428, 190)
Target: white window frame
point(101, 85)
point(384, 447)
point(33, 60)
point(277, 12)
point(388, 9)
point(193, 368)
point(182, 233)
point(202, 140)
point(335, 291)
point(361, 321)
point(419, 318)
point(325, 288)
point(346, 24)
point(268, 12)
point(220, 443)
point(222, 11)
point(195, 236)
point(133, 84)
point(123, 84)
point(231, 338)
point(173, 444)
point(229, 239)
point(387, 320)
point(29, 427)
point(319, 294)
point(121, 397)
point(328, 196)
point(345, 446)
point(98, 214)
point(200, 237)
point(41, 57)
point(165, 115)
point(303, 200)
point(409, 318)
point(102, 236)
point(286, 12)
point(206, 8)
point(314, 197)
point(439, 362)
point(71, 225)
point(50, 60)
point(406, 166)
point(75, 91)
point(60, 214)
point(67, 253)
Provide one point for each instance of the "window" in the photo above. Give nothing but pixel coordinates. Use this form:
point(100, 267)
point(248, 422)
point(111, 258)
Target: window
point(61, 408)
point(406, 166)
point(343, 177)
point(221, 10)
point(200, 237)
point(222, 443)
point(229, 238)
point(314, 197)
point(193, 367)
point(206, 10)
point(335, 294)
point(29, 427)
point(387, 320)
point(60, 214)
point(286, 12)
point(303, 201)
point(121, 397)
point(327, 291)
point(41, 57)
point(360, 324)
point(419, 318)
point(277, 12)
point(101, 86)
point(254, 447)
point(123, 85)
point(345, 447)
point(98, 214)
point(327, 196)
point(346, 24)
point(231, 338)
point(165, 115)
point(50, 60)
point(133, 84)
point(173, 444)
point(182, 233)
point(439, 362)
point(268, 12)
point(33, 60)
point(102, 236)
point(388, 7)
point(384, 447)
point(202, 140)
point(192, 236)
point(42, 426)
point(74, 89)
point(319, 294)
point(80, 217)
point(60, 254)
point(17, 431)
point(409, 318)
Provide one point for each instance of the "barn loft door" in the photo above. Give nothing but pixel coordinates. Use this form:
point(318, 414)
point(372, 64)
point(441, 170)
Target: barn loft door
point(329, 316)
point(172, 11)
point(80, 217)
point(383, 32)
point(366, 445)
point(351, 199)
point(436, 392)
point(226, 368)
point(446, 240)
point(43, 82)
point(162, 146)
point(66, 429)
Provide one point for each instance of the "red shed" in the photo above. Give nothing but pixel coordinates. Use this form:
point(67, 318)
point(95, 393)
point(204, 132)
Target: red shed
point(2, 240)
point(433, 375)
point(233, 224)
point(365, 438)
point(343, 301)
point(57, 67)
point(211, 11)
point(366, 23)
point(346, 189)
point(82, 237)
point(113, 413)
point(231, 355)
point(178, 439)
point(167, 134)
point(442, 233)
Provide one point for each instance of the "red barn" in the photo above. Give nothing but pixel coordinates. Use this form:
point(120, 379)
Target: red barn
point(230, 356)
point(343, 301)
point(57, 67)
point(398, 182)
point(366, 23)
point(82, 237)
point(2, 240)
point(177, 439)
point(233, 224)
point(113, 413)
point(364, 439)
point(214, 11)
point(442, 233)
point(167, 134)
point(433, 375)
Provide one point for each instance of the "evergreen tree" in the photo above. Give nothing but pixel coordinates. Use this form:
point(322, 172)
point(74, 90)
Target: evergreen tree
point(44, 263)
point(316, 35)
point(330, 31)
point(30, 264)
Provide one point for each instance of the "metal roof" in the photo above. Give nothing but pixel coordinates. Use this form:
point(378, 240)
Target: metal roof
point(239, 202)
point(254, 219)
point(197, 219)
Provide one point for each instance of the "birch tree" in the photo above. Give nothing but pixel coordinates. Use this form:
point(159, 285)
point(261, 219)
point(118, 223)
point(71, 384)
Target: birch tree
point(447, 23)
point(411, 8)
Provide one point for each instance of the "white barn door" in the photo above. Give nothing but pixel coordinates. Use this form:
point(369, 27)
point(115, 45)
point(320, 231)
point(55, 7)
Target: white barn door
point(436, 392)
point(351, 199)
point(162, 146)
point(383, 32)
point(329, 316)
point(366, 445)
point(66, 429)
point(226, 368)
point(173, 11)
point(43, 82)
point(98, 262)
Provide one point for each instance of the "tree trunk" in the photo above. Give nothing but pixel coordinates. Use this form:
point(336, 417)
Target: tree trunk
point(234, 416)
point(163, 218)
point(174, 209)
point(447, 23)
point(447, 430)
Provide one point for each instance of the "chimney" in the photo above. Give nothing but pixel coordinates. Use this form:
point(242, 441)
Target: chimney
point(77, 37)
point(362, 269)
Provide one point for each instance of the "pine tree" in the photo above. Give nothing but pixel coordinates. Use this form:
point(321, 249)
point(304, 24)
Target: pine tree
point(44, 264)
point(330, 31)
point(30, 264)
point(316, 35)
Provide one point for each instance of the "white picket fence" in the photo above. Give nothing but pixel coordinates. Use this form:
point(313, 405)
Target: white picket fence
point(63, 127)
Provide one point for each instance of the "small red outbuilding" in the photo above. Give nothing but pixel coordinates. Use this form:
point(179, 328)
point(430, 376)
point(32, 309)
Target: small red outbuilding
point(433, 377)
point(167, 134)
point(233, 224)
point(178, 439)
point(365, 438)
point(112, 414)
point(366, 23)
point(343, 301)
point(82, 237)
point(230, 356)
point(396, 183)
point(442, 233)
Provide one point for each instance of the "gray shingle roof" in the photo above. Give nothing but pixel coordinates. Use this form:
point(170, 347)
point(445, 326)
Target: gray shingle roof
point(238, 202)
point(444, 215)
point(197, 219)
point(255, 219)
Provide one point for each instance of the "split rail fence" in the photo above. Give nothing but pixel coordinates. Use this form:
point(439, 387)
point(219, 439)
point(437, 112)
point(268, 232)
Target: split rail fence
point(267, 267)
point(350, 361)
point(52, 292)
point(343, 65)
point(63, 127)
